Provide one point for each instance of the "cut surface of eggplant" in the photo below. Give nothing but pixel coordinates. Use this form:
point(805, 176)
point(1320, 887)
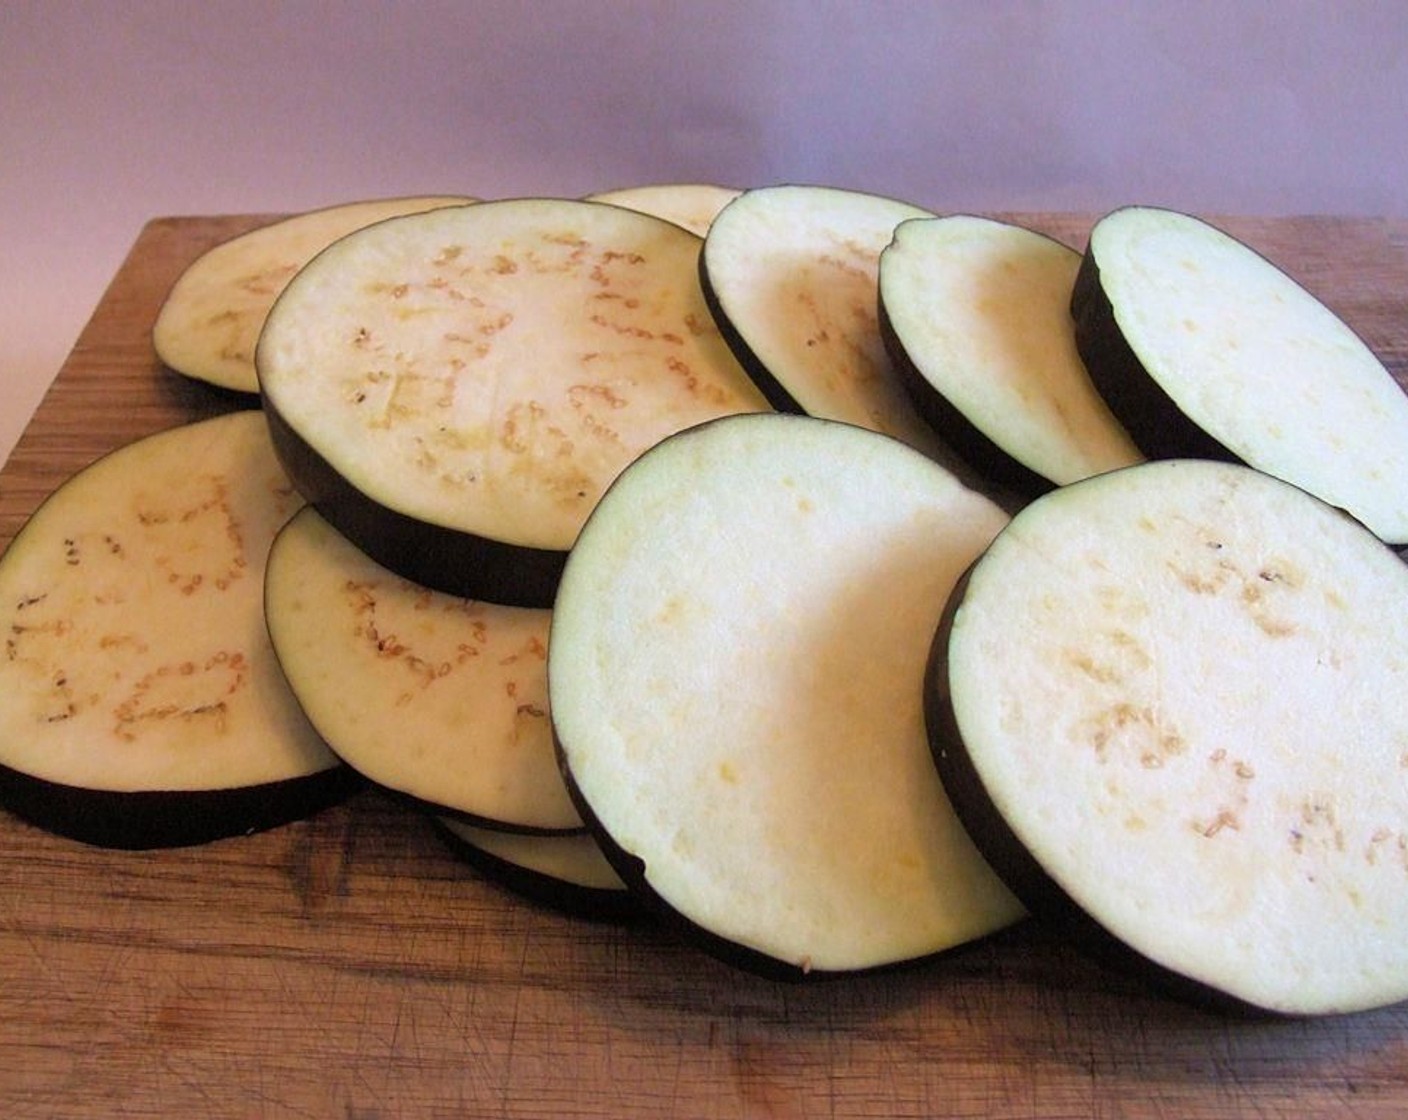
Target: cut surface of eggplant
point(692, 205)
point(736, 668)
point(140, 703)
point(976, 315)
point(209, 323)
point(1204, 348)
point(438, 698)
point(1174, 699)
point(455, 389)
point(566, 872)
point(790, 273)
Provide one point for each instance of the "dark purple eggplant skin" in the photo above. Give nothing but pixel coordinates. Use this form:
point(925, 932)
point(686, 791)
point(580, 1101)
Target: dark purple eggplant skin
point(1159, 428)
point(137, 820)
point(449, 560)
point(597, 904)
point(1019, 869)
point(966, 439)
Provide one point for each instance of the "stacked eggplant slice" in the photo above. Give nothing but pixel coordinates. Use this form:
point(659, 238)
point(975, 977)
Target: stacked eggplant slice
point(1203, 347)
point(975, 316)
point(790, 274)
point(1172, 703)
point(734, 672)
point(141, 705)
point(836, 581)
point(209, 325)
point(455, 389)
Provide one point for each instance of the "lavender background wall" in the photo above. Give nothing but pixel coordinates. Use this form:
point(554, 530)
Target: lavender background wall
point(111, 114)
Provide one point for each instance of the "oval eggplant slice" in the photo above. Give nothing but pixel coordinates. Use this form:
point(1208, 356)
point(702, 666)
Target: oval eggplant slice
point(736, 668)
point(209, 324)
point(692, 205)
point(1204, 348)
point(140, 703)
point(566, 873)
point(454, 390)
point(439, 699)
point(975, 314)
point(790, 274)
point(1173, 701)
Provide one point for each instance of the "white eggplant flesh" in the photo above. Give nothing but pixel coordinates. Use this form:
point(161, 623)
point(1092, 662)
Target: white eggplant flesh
point(735, 669)
point(140, 702)
point(691, 205)
point(209, 323)
point(564, 872)
point(791, 273)
point(976, 315)
point(455, 389)
point(1173, 700)
point(439, 699)
point(1204, 348)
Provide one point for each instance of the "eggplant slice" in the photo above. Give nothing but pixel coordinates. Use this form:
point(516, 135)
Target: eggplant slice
point(1171, 703)
point(1203, 348)
point(735, 669)
point(455, 389)
point(692, 205)
point(439, 699)
point(567, 873)
point(209, 324)
point(975, 314)
point(140, 703)
point(790, 273)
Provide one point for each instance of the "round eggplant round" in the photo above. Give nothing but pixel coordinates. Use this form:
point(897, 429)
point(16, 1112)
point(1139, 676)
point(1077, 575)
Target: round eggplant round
point(209, 323)
point(692, 205)
point(1171, 703)
point(140, 703)
point(790, 273)
point(566, 873)
point(735, 669)
point(439, 699)
point(1203, 348)
point(455, 389)
point(975, 314)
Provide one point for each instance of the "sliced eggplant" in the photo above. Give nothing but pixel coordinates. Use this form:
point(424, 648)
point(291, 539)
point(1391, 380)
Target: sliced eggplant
point(735, 670)
point(566, 873)
point(975, 314)
point(1171, 704)
point(209, 324)
point(140, 703)
point(692, 205)
point(440, 699)
point(455, 389)
point(1202, 347)
point(790, 273)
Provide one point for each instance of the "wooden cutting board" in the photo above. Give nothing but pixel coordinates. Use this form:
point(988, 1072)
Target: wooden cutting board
point(348, 966)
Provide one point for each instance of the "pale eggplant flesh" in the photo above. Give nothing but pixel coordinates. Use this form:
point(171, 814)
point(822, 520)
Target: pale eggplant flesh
point(735, 670)
point(790, 275)
point(691, 205)
point(140, 703)
point(567, 873)
point(1170, 703)
point(208, 325)
point(437, 699)
point(455, 389)
point(975, 314)
point(1203, 348)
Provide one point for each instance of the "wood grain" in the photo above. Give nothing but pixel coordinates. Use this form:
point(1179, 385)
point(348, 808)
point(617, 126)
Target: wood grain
point(349, 966)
